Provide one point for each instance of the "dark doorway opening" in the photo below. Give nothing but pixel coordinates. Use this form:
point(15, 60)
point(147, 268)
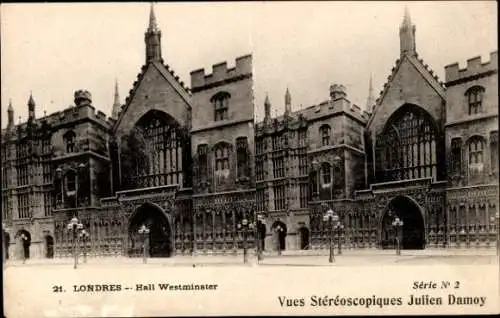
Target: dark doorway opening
point(25, 239)
point(159, 241)
point(280, 229)
point(49, 246)
point(413, 231)
point(6, 243)
point(304, 238)
point(261, 227)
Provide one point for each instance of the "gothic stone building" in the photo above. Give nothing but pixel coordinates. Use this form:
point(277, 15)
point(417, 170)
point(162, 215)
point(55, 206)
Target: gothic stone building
point(191, 164)
point(177, 160)
point(424, 151)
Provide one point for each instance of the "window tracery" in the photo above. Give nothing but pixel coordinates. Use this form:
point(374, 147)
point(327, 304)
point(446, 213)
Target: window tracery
point(325, 132)
point(220, 102)
point(407, 146)
point(475, 99)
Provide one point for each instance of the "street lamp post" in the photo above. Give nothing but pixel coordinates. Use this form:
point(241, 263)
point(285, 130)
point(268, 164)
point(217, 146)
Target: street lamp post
point(260, 223)
point(398, 226)
point(84, 236)
point(75, 228)
point(59, 175)
point(245, 225)
point(495, 221)
point(144, 232)
point(331, 217)
point(339, 228)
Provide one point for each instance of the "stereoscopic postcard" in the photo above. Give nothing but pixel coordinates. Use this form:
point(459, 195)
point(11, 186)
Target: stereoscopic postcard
point(249, 158)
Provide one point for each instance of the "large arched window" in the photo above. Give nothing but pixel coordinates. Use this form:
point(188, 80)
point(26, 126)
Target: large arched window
point(406, 149)
point(220, 102)
point(475, 149)
point(325, 132)
point(69, 140)
point(154, 152)
point(475, 99)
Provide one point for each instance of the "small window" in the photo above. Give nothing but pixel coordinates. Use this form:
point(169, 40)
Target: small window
point(494, 151)
point(325, 132)
point(221, 157)
point(71, 181)
point(327, 173)
point(476, 146)
point(456, 156)
point(69, 139)
point(220, 102)
point(202, 162)
point(242, 156)
point(475, 99)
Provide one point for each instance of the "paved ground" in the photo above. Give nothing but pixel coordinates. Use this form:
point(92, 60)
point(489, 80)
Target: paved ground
point(52, 288)
point(292, 258)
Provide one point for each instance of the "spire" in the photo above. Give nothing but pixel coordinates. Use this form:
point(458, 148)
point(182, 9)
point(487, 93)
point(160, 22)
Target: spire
point(152, 37)
point(288, 102)
point(267, 108)
point(31, 107)
point(10, 114)
point(152, 19)
point(406, 18)
point(370, 101)
point(407, 35)
point(116, 103)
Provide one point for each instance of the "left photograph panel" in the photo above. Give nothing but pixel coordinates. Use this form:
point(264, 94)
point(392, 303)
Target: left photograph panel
point(166, 171)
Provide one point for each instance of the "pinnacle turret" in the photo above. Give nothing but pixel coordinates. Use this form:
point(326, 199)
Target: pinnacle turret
point(267, 108)
point(116, 102)
point(10, 114)
point(31, 107)
point(152, 37)
point(288, 102)
point(407, 35)
point(370, 101)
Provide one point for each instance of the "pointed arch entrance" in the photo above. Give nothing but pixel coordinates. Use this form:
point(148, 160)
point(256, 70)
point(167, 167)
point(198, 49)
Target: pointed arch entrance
point(413, 233)
point(24, 240)
point(49, 246)
point(160, 237)
point(6, 243)
point(279, 231)
point(304, 238)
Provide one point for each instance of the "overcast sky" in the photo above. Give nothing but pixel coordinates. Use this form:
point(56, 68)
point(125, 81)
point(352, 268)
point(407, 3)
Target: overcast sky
point(55, 49)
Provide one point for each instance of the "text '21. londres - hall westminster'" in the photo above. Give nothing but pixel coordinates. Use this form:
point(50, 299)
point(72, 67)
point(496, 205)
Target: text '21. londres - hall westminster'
point(193, 165)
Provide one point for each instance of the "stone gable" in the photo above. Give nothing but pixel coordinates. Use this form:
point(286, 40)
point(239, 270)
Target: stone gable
point(153, 91)
point(407, 85)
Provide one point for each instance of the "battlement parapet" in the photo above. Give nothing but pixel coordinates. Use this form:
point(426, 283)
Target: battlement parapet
point(221, 73)
point(475, 66)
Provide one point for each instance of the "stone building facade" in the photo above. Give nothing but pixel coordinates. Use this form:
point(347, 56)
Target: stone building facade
point(191, 164)
point(424, 151)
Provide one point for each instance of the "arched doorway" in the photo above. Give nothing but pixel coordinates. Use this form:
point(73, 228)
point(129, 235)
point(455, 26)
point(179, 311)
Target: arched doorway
point(304, 238)
point(261, 227)
point(159, 242)
point(24, 239)
point(49, 246)
point(279, 230)
point(6, 243)
point(413, 233)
